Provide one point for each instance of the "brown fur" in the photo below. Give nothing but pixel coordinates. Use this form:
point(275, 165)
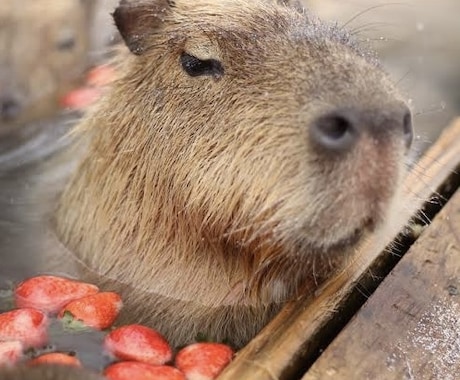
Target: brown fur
point(204, 197)
point(43, 52)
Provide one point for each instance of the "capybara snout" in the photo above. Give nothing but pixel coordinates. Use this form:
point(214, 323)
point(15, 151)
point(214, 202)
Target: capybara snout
point(338, 131)
point(10, 107)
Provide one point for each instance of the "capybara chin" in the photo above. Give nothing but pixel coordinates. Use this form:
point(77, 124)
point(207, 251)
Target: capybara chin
point(243, 155)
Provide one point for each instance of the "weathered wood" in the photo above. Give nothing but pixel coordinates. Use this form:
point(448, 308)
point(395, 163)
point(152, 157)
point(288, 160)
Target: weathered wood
point(294, 337)
point(410, 327)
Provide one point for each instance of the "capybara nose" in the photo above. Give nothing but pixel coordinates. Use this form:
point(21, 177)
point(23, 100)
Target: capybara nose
point(10, 108)
point(338, 131)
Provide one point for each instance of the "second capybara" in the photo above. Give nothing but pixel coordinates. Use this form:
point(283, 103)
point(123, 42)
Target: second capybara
point(43, 54)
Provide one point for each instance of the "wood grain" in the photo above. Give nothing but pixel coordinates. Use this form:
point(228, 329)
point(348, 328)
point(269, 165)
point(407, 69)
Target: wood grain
point(292, 340)
point(410, 327)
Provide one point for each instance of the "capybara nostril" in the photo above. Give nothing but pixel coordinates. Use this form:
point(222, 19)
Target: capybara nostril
point(10, 108)
point(408, 129)
point(335, 132)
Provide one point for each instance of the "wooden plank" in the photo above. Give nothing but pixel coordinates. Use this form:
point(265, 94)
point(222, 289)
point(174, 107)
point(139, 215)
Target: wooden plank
point(410, 327)
point(296, 335)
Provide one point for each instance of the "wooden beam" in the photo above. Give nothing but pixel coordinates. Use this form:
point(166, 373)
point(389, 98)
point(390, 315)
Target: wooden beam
point(410, 327)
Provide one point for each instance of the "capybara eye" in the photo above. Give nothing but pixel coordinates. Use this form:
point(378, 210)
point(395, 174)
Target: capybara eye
point(196, 67)
point(67, 40)
point(66, 44)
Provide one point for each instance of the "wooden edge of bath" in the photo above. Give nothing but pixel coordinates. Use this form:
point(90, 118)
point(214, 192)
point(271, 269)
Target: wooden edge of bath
point(295, 336)
point(410, 327)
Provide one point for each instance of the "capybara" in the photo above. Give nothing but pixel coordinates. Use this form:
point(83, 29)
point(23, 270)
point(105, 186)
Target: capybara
point(243, 154)
point(43, 54)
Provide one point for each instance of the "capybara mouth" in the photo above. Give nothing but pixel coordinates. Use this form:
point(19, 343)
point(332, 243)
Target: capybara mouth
point(351, 240)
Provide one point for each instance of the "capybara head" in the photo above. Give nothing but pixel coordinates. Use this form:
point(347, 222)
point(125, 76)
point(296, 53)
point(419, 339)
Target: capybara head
point(43, 47)
point(245, 149)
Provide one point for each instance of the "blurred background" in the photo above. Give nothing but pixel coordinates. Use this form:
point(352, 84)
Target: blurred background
point(47, 48)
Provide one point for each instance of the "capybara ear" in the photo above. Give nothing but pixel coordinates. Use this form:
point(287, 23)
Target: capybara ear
point(136, 19)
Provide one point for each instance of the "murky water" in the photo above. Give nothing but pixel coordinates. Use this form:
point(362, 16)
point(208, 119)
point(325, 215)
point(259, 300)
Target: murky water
point(31, 175)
